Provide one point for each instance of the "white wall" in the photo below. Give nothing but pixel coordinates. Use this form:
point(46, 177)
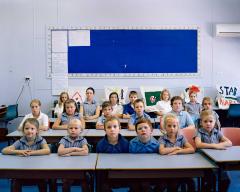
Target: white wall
point(23, 40)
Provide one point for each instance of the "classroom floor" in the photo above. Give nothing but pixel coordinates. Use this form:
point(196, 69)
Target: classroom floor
point(5, 183)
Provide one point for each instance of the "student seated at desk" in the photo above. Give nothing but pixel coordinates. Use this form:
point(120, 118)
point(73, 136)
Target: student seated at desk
point(164, 105)
point(31, 143)
point(106, 113)
point(128, 109)
point(70, 112)
point(73, 143)
point(36, 113)
point(173, 143)
point(144, 142)
point(60, 105)
point(90, 108)
point(117, 109)
point(139, 114)
point(113, 141)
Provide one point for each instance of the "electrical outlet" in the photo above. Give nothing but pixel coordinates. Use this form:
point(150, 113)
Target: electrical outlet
point(27, 78)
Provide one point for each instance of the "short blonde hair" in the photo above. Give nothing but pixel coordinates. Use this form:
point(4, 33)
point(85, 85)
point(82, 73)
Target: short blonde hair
point(206, 113)
point(75, 121)
point(167, 117)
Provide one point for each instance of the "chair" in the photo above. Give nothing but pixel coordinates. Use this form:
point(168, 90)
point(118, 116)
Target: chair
point(234, 113)
point(233, 134)
point(189, 133)
point(12, 113)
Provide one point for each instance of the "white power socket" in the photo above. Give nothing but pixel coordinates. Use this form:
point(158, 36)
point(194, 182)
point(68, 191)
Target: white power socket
point(27, 78)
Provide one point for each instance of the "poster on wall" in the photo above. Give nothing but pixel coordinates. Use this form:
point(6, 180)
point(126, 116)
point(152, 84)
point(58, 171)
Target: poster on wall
point(77, 93)
point(227, 94)
point(120, 90)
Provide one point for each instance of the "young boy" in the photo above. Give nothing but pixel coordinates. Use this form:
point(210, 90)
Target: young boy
point(106, 113)
point(113, 142)
point(144, 142)
point(128, 109)
point(73, 143)
point(177, 109)
point(139, 114)
point(172, 143)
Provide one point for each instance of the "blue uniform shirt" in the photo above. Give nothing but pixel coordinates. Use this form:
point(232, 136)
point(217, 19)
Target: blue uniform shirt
point(22, 144)
point(68, 142)
point(214, 137)
point(136, 146)
point(184, 119)
point(128, 109)
point(134, 118)
point(103, 146)
point(180, 141)
point(65, 119)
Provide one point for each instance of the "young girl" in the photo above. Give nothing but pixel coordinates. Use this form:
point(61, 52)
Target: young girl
point(36, 113)
point(117, 108)
point(70, 112)
point(59, 107)
point(90, 108)
point(164, 105)
point(31, 143)
point(113, 142)
point(144, 142)
point(208, 136)
point(73, 143)
point(172, 143)
point(193, 107)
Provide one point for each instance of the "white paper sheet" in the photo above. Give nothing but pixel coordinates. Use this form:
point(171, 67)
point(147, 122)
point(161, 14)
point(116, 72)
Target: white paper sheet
point(59, 83)
point(79, 38)
point(59, 63)
point(59, 41)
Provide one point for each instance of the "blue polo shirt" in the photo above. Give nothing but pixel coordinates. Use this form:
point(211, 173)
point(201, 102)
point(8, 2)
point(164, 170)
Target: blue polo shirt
point(214, 137)
point(134, 118)
point(68, 142)
point(103, 146)
point(89, 108)
point(22, 144)
point(101, 119)
point(128, 109)
point(65, 119)
point(136, 146)
point(184, 118)
point(180, 141)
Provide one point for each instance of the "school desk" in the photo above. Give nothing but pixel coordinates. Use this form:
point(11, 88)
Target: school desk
point(226, 160)
point(47, 167)
point(140, 167)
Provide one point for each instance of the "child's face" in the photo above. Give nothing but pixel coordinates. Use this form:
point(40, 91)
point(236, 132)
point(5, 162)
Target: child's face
point(132, 98)
point(35, 108)
point(139, 108)
point(107, 111)
point(177, 105)
point(207, 105)
point(30, 130)
point(70, 108)
point(193, 97)
point(172, 126)
point(113, 99)
point(165, 96)
point(64, 97)
point(144, 131)
point(208, 123)
point(74, 130)
point(112, 129)
point(89, 94)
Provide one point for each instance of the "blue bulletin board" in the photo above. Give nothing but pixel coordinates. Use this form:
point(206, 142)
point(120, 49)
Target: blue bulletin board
point(153, 53)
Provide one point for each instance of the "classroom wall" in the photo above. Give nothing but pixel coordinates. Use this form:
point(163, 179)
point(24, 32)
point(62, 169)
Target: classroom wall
point(23, 41)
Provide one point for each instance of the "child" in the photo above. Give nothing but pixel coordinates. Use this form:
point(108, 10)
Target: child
point(207, 104)
point(90, 108)
point(73, 143)
point(70, 112)
point(36, 113)
point(193, 107)
point(128, 109)
point(208, 136)
point(59, 107)
point(117, 109)
point(113, 142)
point(31, 143)
point(139, 113)
point(164, 105)
point(172, 143)
point(106, 113)
point(144, 142)
point(183, 117)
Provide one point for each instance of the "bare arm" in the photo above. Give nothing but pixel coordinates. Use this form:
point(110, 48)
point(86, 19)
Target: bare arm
point(43, 128)
point(167, 150)
point(62, 151)
point(187, 149)
point(97, 114)
point(44, 151)
point(202, 145)
point(131, 127)
point(83, 122)
point(99, 125)
point(57, 125)
point(126, 116)
point(226, 142)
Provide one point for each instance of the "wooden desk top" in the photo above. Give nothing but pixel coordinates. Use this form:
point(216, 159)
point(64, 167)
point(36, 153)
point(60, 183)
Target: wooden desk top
point(231, 154)
point(48, 162)
point(152, 162)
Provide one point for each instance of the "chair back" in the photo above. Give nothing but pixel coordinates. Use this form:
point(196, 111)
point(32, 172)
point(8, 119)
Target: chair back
point(12, 112)
point(233, 134)
point(189, 133)
point(234, 111)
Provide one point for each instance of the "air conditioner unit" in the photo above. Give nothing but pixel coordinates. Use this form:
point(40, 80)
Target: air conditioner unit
point(228, 30)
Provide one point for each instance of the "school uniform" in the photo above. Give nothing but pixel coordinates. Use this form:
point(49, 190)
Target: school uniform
point(164, 106)
point(193, 109)
point(134, 118)
point(42, 119)
point(184, 118)
point(65, 119)
point(136, 146)
point(89, 109)
point(214, 137)
point(180, 141)
point(103, 146)
point(117, 109)
point(22, 143)
point(68, 142)
point(101, 119)
point(128, 109)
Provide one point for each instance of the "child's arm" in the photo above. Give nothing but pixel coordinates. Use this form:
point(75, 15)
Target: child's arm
point(99, 125)
point(225, 142)
point(83, 122)
point(126, 116)
point(44, 151)
point(131, 127)
point(80, 151)
point(97, 113)
point(202, 145)
point(167, 150)
point(62, 151)
point(11, 150)
point(187, 149)
point(57, 125)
